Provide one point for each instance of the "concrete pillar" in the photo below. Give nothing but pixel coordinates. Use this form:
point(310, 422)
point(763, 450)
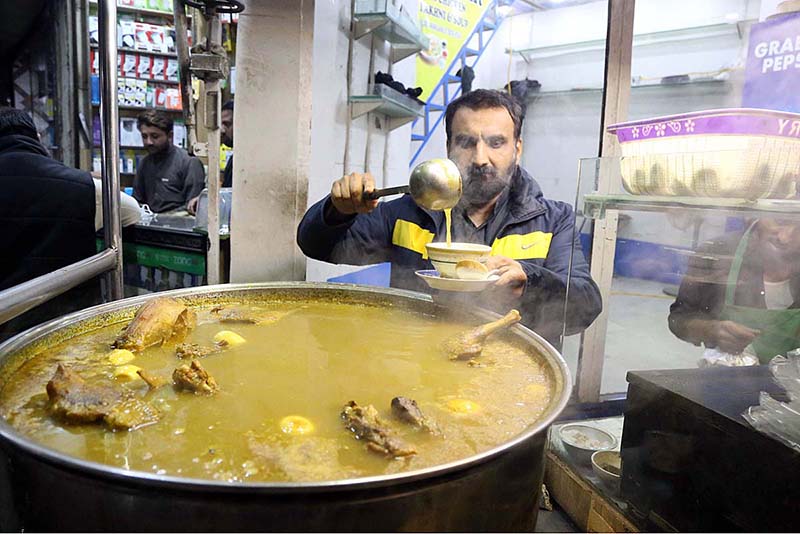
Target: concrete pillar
point(272, 153)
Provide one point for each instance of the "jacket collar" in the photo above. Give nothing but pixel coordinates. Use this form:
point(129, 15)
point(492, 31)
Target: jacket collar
point(21, 143)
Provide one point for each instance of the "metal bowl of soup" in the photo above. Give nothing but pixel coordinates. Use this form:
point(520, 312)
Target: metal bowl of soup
point(269, 450)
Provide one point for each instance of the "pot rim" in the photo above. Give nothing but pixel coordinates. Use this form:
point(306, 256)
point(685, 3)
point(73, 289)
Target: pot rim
point(9, 434)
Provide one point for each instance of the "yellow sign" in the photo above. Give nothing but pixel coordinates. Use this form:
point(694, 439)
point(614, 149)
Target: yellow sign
point(448, 24)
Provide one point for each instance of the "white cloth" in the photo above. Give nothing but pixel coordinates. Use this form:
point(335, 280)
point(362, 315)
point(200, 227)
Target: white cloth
point(778, 295)
point(129, 210)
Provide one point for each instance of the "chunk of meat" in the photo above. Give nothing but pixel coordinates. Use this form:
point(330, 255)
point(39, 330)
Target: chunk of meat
point(406, 410)
point(78, 401)
point(161, 319)
point(365, 423)
point(469, 344)
point(194, 378)
point(130, 413)
point(246, 315)
point(191, 351)
point(153, 380)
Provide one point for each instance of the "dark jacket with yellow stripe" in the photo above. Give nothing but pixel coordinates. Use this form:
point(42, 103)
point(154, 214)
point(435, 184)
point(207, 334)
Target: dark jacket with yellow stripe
point(538, 233)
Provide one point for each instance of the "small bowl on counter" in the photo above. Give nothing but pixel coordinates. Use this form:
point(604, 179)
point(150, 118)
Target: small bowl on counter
point(581, 441)
point(607, 466)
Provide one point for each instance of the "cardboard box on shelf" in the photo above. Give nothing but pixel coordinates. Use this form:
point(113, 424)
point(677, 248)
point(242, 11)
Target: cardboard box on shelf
point(150, 97)
point(94, 62)
point(94, 31)
point(141, 93)
point(130, 91)
point(173, 98)
point(169, 32)
point(127, 31)
point(159, 68)
point(142, 40)
point(125, 3)
point(172, 70)
point(96, 130)
point(140, 4)
point(144, 68)
point(130, 65)
point(128, 132)
point(157, 38)
point(159, 97)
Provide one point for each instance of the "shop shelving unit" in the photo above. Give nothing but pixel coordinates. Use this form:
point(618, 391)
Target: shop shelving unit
point(388, 21)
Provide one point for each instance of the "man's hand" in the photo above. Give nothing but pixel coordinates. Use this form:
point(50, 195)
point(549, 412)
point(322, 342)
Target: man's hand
point(512, 278)
point(347, 194)
point(191, 206)
point(729, 336)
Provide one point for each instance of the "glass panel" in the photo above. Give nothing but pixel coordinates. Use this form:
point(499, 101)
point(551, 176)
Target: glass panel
point(557, 67)
point(694, 180)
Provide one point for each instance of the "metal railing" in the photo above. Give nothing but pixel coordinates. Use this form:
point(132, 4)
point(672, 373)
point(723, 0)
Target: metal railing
point(16, 300)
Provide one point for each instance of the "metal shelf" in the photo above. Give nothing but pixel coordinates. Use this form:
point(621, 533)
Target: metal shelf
point(702, 83)
point(390, 23)
point(595, 205)
point(135, 51)
point(398, 113)
point(141, 108)
point(644, 39)
point(140, 10)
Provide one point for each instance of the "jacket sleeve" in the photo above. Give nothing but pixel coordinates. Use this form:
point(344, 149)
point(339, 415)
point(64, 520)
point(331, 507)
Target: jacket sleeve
point(701, 294)
point(195, 180)
point(360, 240)
point(138, 186)
point(545, 292)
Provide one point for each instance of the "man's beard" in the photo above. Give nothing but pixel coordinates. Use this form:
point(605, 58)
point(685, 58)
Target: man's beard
point(482, 184)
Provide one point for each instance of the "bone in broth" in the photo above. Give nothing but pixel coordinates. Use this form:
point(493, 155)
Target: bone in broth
point(273, 400)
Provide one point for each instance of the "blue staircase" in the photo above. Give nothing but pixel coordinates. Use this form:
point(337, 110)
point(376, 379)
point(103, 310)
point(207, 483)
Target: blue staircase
point(449, 87)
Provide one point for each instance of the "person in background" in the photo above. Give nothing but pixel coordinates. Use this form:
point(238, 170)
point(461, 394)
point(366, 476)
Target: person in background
point(226, 137)
point(168, 177)
point(741, 292)
point(501, 206)
point(129, 210)
point(47, 213)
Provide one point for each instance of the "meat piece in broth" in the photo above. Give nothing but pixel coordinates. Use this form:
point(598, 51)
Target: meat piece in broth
point(152, 380)
point(247, 315)
point(365, 423)
point(162, 319)
point(191, 351)
point(469, 344)
point(78, 401)
point(194, 378)
point(406, 410)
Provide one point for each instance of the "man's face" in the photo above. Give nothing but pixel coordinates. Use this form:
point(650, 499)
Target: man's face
point(483, 147)
point(155, 139)
point(780, 238)
point(226, 127)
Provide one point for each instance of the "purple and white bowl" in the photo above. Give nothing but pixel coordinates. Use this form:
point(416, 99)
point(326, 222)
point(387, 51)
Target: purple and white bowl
point(734, 153)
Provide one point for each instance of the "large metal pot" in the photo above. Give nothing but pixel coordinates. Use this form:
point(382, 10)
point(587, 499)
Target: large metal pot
point(44, 490)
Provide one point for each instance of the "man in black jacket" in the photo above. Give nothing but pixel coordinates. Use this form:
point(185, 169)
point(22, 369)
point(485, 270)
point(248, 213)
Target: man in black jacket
point(47, 217)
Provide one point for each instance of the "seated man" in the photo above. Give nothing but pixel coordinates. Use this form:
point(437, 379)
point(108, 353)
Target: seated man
point(502, 206)
point(47, 212)
point(168, 177)
point(741, 292)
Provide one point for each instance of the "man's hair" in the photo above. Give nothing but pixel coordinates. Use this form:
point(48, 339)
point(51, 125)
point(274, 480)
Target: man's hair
point(16, 121)
point(227, 105)
point(156, 119)
point(486, 99)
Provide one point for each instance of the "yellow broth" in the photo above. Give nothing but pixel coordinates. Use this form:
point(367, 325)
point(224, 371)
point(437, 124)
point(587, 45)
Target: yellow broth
point(309, 363)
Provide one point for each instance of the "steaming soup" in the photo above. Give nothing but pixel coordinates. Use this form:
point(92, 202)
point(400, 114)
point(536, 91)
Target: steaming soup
point(277, 415)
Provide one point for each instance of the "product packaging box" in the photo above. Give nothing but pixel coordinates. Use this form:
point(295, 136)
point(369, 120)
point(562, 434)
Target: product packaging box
point(170, 37)
point(130, 91)
point(151, 95)
point(94, 31)
point(140, 4)
point(141, 93)
point(94, 62)
point(157, 38)
point(158, 70)
point(125, 3)
point(144, 68)
point(173, 98)
point(96, 130)
point(130, 65)
point(127, 31)
point(172, 70)
point(159, 97)
point(142, 39)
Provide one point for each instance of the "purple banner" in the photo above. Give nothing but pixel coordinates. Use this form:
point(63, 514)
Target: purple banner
point(772, 74)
